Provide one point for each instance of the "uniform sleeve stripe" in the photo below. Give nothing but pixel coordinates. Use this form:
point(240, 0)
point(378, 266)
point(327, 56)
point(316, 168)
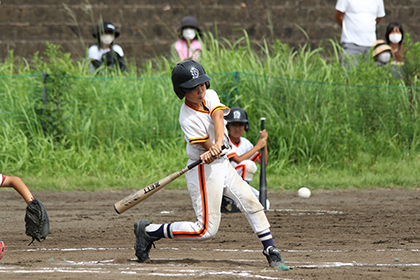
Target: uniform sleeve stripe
point(219, 107)
point(256, 157)
point(231, 155)
point(199, 140)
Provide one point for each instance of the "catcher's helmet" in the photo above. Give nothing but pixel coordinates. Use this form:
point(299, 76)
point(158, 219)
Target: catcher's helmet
point(187, 75)
point(237, 115)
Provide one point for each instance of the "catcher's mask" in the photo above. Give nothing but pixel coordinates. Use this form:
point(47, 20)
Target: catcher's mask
point(187, 75)
point(237, 115)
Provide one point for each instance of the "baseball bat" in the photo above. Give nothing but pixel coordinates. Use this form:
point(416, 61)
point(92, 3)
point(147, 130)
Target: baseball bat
point(263, 181)
point(140, 195)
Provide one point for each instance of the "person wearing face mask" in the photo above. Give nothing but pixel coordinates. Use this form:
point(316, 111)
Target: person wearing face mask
point(105, 51)
point(188, 46)
point(382, 52)
point(395, 36)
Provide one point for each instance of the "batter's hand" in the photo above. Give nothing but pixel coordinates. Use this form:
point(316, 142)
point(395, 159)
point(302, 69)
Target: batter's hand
point(213, 153)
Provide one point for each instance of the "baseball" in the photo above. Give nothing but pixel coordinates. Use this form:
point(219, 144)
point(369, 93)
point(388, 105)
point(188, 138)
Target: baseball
point(304, 192)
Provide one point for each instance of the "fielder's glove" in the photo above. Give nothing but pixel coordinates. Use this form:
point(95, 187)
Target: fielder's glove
point(36, 221)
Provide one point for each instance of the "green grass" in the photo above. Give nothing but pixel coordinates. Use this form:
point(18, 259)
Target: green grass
point(328, 127)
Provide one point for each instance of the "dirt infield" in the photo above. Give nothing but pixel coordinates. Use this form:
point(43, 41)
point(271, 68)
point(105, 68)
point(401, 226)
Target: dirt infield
point(355, 234)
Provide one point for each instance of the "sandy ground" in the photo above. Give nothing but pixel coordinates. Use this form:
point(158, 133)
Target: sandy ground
point(355, 234)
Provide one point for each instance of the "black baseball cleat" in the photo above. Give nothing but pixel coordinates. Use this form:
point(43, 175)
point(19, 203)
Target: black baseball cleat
point(228, 205)
point(273, 256)
point(144, 241)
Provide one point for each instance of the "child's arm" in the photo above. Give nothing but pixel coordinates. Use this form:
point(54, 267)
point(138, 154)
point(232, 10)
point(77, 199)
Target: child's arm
point(19, 186)
point(214, 150)
point(264, 135)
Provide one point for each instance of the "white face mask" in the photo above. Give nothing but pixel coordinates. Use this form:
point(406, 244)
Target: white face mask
point(395, 38)
point(188, 33)
point(107, 39)
point(384, 57)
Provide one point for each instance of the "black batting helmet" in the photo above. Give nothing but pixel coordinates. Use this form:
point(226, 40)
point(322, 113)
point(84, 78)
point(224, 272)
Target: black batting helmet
point(187, 75)
point(238, 115)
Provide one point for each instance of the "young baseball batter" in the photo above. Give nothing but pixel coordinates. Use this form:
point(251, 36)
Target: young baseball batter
point(202, 121)
point(243, 154)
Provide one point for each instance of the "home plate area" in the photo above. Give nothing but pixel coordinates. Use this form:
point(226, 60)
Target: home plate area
point(352, 234)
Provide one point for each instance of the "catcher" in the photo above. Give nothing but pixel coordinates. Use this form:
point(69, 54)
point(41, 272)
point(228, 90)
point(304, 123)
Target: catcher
point(36, 218)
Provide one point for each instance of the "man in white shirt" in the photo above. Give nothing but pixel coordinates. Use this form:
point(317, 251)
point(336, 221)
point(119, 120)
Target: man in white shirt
point(358, 19)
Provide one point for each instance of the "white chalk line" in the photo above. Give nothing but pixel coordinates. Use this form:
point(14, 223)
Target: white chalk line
point(205, 249)
point(103, 266)
point(87, 268)
point(309, 212)
point(136, 271)
point(69, 249)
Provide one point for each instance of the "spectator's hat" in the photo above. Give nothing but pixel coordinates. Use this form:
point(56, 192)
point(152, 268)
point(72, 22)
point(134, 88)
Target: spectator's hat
point(381, 46)
point(106, 27)
point(189, 21)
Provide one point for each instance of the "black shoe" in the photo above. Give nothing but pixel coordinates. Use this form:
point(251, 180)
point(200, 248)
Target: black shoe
point(228, 205)
point(144, 241)
point(273, 256)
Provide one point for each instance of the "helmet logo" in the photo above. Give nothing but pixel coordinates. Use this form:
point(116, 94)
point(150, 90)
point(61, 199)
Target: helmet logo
point(237, 115)
point(194, 73)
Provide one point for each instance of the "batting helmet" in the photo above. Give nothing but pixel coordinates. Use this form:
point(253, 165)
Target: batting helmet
point(238, 115)
point(187, 75)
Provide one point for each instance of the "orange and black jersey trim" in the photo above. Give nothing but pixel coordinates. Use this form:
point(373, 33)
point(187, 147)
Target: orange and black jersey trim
point(199, 140)
point(205, 208)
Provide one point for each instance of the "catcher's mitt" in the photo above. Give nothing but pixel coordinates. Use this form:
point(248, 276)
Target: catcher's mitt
point(36, 221)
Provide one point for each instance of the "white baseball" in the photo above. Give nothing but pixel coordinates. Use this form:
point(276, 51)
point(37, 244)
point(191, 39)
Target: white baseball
point(304, 192)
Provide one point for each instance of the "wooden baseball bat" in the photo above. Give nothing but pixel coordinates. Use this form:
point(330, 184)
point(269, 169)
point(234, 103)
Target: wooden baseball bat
point(263, 181)
point(140, 195)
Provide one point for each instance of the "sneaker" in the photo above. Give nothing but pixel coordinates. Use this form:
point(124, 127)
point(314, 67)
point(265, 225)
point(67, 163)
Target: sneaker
point(144, 241)
point(273, 256)
point(2, 248)
point(228, 205)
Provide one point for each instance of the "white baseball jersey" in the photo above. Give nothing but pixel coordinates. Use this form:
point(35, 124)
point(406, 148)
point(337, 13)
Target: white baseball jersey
point(2, 178)
point(241, 148)
point(243, 168)
point(198, 126)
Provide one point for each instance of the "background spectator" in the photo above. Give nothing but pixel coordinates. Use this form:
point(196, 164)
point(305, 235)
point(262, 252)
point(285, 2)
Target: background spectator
point(358, 19)
point(105, 51)
point(395, 36)
point(188, 46)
